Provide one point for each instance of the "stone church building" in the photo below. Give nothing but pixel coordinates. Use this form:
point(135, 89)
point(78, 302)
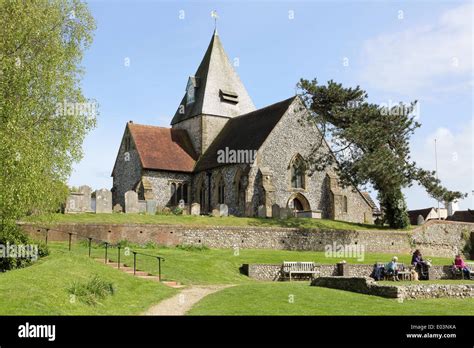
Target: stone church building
point(220, 149)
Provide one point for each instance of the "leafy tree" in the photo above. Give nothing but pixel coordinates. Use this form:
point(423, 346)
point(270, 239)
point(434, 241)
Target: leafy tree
point(370, 144)
point(44, 115)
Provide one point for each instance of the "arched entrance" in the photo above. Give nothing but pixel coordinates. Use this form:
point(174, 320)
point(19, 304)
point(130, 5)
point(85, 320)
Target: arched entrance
point(298, 202)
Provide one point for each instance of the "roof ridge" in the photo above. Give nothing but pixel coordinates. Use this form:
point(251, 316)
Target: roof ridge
point(147, 125)
point(265, 107)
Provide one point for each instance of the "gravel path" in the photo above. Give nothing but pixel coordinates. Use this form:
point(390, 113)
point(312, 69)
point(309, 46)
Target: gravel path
point(183, 302)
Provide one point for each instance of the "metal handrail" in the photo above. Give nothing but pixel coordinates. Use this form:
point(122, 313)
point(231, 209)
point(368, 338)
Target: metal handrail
point(159, 258)
point(107, 245)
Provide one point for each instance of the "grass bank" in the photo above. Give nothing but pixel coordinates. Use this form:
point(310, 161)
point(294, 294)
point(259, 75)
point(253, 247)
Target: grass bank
point(189, 220)
point(42, 289)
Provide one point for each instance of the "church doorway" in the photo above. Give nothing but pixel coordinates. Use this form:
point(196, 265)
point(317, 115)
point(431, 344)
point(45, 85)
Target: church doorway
point(298, 202)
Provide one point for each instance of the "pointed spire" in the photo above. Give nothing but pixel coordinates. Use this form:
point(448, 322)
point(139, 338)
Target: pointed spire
point(215, 88)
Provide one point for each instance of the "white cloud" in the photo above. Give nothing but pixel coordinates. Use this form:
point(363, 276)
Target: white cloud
point(427, 57)
point(455, 160)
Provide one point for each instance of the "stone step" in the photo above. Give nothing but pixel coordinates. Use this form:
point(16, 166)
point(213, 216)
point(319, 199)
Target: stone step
point(172, 284)
point(138, 273)
point(149, 277)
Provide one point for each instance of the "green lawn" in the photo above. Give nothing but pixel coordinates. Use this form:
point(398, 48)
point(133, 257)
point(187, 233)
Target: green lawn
point(301, 299)
point(41, 289)
point(219, 266)
point(189, 220)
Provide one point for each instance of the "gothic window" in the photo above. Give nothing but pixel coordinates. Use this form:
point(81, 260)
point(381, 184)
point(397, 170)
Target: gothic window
point(297, 172)
point(344, 204)
point(180, 193)
point(221, 192)
point(201, 194)
point(185, 193)
point(173, 194)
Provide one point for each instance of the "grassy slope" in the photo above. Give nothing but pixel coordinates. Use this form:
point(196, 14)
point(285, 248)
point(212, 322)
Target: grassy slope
point(221, 266)
point(273, 299)
point(199, 221)
point(41, 289)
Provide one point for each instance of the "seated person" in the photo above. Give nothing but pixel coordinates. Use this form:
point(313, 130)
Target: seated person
point(391, 268)
point(460, 264)
point(377, 272)
point(420, 264)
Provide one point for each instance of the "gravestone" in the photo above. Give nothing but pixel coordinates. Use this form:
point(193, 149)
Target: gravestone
point(262, 211)
point(420, 220)
point(285, 213)
point(216, 212)
point(275, 211)
point(103, 201)
point(118, 208)
point(141, 206)
point(223, 210)
point(80, 201)
point(131, 202)
point(196, 209)
point(151, 207)
point(181, 203)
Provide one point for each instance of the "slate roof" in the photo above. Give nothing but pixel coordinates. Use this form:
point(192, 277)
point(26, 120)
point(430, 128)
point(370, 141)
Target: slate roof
point(462, 215)
point(245, 132)
point(162, 148)
point(413, 214)
point(215, 74)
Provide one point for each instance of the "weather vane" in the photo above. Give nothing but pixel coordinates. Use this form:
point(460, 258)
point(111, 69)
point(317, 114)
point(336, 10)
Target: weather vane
point(215, 16)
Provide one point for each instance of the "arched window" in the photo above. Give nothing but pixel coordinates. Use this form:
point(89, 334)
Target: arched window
point(173, 194)
point(180, 193)
point(201, 194)
point(185, 193)
point(297, 172)
point(221, 192)
point(344, 204)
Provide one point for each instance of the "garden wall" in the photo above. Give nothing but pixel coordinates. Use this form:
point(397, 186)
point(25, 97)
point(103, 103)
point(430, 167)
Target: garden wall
point(412, 291)
point(271, 272)
point(443, 239)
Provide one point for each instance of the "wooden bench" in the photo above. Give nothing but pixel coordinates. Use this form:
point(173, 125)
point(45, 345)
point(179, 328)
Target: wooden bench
point(289, 268)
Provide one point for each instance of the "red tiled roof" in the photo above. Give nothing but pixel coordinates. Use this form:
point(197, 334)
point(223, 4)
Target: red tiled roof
point(162, 148)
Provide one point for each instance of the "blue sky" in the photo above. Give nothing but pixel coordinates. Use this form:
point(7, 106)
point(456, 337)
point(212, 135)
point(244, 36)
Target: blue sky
point(144, 51)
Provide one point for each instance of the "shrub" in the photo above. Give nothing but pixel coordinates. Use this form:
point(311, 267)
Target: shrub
point(13, 235)
point(187, 247)
point(91, 291)
point(150, 245)
point(177, 211)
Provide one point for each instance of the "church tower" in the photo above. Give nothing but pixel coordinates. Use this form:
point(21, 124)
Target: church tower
point(213, 95)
